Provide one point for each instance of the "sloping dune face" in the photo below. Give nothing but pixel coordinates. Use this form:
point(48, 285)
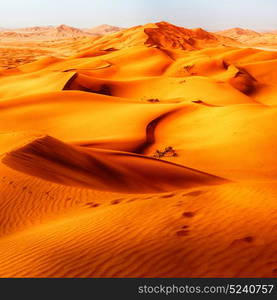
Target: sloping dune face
point(149, 153)
point(53, 160)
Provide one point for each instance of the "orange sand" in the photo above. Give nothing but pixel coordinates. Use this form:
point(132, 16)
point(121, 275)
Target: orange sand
point(82, 192)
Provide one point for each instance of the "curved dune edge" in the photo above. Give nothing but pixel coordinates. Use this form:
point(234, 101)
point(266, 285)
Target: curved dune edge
point(53, 160)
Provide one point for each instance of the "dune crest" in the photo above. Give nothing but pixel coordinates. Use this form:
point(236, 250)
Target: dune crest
point(53, 160)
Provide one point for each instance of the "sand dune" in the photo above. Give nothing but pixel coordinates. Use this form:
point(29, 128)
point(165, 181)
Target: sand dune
point(147, 152)
point(240, 33)
point(54, 32)
point(50, 159)
point(60, 31)
point(251, 37)
point(22, 45)
point(103, 29)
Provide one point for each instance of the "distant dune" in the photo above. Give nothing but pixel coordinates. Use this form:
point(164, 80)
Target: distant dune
point(146, 152)
point(57, 32)
point(239, 32)
point(103, 29)
point(47, 32)
point(271, 31)
point(251, 37)
point(162, 35)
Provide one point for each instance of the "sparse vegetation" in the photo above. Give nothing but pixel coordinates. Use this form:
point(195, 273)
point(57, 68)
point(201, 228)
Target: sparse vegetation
point(168, 152)
point(153, 100)
point(188, 68)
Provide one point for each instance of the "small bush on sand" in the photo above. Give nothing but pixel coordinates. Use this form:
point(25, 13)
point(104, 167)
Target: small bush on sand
point(168, 152)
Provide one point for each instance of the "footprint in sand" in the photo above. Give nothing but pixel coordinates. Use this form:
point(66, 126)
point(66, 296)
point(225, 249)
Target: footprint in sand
point(185, 226)
point(188, 214)
point(194, 193)
point(168, 195)
point(242, 241)
point(132, 199)
point(182, 233)
point(92, 204)
point(116, 201)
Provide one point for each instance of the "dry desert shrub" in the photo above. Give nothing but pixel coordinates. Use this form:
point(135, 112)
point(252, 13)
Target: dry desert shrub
point(168, 152)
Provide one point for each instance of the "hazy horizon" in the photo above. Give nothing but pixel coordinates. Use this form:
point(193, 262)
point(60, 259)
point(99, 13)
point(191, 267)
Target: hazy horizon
point(211, 15)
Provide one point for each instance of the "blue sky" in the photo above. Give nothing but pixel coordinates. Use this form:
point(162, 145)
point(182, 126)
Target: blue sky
point(209, 14)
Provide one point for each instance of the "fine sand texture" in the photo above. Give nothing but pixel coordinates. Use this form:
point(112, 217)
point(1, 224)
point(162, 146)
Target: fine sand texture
point(147, 152)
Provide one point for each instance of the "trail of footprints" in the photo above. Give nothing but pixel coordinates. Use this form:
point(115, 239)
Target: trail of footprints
point(187, 215)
